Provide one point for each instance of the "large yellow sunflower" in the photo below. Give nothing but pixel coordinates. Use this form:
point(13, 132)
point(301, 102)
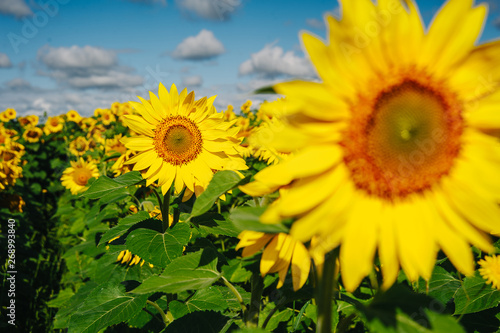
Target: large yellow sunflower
point(181, 141)
point(76, 177)
point(392, 155)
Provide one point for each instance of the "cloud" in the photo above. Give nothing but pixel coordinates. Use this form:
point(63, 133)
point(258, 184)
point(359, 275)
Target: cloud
point(219, 10)
point(192, 81)
point(4, 61)
point(86, 67)
point(315, 23)
point(77, 57)
point(18, 8)
point(200, 47)
point(18, 84)
point(272, 61)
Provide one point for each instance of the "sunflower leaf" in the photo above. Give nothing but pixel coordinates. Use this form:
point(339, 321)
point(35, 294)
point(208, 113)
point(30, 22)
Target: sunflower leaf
point(222, 182)
point(210, 298)
point(190, 272)
point(248, 218)
point(158, 248)
point(105, 186)
point(106, 305)
point(475, 295)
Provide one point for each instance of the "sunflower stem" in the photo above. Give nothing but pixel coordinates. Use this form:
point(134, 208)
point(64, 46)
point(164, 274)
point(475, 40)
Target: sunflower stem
point(257, 286)
point(160, 311)
point(237, 295)
point(324, 293)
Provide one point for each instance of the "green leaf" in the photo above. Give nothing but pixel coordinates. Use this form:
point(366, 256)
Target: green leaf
point(442, 285)
point(157, 248)
point(475, 295)
point(199, 321)
point(63, 296)
point(401, 310)
point(248, 218)
point(265, 90)
point(221, 182)
point(190, 272)
point(214, 224)
point(123, 225)
point(106, 305)
point(104, 187)
point(210, 298)
point(65, 312)
point(235, 272)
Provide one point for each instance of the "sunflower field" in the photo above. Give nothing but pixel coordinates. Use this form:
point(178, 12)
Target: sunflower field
point(365, 202)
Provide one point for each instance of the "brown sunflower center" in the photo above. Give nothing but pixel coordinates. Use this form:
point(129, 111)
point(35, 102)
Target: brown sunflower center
point(403, 139)
point(177, 140)
point(81, 176)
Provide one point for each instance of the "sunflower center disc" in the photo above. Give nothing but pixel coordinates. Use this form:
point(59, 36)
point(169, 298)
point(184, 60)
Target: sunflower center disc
point(178, 140)
point(81, 176)
point(402, 140)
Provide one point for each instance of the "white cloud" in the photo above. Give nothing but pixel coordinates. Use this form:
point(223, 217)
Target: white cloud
point(77, 57)
point(17, 84)
point(315, 23)
point(61, 100)
point(4, 61)
point(192, 81)
point(86, 67)
point(210, 9)
point(199, 47)
point(272, 61)
point(18, 8)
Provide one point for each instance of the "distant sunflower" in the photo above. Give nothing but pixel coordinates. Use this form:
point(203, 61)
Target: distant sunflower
point(31, 120)
point(107, 117)
point(32, 134)
point(73, 115)
point(490, 270)
point(181, 141)
point(53, 125)
point(7, 115)
point(79, 146)
point(392, 152)
point(280, 251)
point(76, 177)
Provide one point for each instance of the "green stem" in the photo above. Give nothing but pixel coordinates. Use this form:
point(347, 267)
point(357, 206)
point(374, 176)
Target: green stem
point(160, 311)
point(237, 294)
point(257, 285)
point(324, 293)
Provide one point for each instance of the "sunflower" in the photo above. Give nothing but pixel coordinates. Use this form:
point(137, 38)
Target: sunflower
point(229, 113)
point(53, 125)
point(76, 177)
point(79, 146)
point(181, 141)
point(32, 134)
point(7, 115)
point(280, 251)
point(31, 120)
point(490, 270)
point(107, 117)
point(72, 115)
point(392, 152)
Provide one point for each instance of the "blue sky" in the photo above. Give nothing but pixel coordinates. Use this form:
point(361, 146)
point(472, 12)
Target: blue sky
point(57, 55)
